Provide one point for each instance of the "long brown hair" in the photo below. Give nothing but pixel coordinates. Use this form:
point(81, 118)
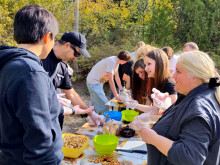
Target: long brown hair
point(139, 86)
point(162, 74)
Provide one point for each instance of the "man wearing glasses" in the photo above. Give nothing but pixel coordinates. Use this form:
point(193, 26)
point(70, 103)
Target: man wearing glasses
point(71, 45)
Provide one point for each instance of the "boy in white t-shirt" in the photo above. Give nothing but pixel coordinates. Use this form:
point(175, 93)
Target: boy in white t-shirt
point(104, 71)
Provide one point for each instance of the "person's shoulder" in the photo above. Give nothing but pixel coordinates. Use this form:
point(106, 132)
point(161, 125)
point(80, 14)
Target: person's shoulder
point(63, 64)
point(204, 103)
point(169, 87)
point(111, 59)
point(169, 82)
point(26, 64)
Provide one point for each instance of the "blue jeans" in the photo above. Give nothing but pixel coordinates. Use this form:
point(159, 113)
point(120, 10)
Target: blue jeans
point(98, 97)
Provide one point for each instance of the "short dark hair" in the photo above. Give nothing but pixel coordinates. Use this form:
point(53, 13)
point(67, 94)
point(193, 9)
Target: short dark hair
point(32, 23)
point(124, 55)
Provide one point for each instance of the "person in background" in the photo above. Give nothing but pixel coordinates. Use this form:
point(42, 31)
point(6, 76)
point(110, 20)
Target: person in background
point(127, 74)
point(29, 108)
point(172, 58)
point(190, 46)
point(139, 82)
point(157, 68)
point(142, 51)
point(138, 45)
point(104, 71)
point(71, 45)
point(188, 132)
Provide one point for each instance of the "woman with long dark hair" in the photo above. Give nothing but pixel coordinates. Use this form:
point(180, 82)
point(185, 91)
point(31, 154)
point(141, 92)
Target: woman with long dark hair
point(157, 68)
point(139, 82)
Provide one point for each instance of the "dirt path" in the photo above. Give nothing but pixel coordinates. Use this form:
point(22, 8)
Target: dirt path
point(73, 122)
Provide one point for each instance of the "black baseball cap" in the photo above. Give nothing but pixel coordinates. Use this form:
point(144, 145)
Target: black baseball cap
point(77, 39)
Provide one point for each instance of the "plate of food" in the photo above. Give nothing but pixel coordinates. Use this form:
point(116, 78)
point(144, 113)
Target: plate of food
point(74, 145)
point(103, 160)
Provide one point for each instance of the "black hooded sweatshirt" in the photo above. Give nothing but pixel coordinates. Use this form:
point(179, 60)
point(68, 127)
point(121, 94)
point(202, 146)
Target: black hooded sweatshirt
point(29, 110)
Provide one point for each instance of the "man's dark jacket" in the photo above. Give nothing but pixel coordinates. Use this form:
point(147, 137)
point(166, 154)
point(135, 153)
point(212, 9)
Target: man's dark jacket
point(29, 110)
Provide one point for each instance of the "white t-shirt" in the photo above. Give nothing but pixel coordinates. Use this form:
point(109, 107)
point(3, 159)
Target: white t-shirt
point(173, 62)
point(99, 72)
point(133, 55)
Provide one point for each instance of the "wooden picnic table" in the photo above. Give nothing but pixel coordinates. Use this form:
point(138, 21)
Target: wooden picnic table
point(135, 142)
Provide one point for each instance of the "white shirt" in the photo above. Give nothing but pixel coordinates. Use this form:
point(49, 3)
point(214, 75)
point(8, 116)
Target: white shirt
point(133, 55)
point(173, 62)
point(99, 72)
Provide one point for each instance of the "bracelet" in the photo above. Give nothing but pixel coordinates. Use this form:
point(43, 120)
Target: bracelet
point(73, 110)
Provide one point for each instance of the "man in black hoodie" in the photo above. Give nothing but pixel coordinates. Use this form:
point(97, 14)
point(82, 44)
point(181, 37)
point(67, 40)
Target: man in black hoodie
point(29, 109)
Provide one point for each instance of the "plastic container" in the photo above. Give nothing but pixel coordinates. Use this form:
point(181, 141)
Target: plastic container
point(105, 144)
point(75, 152)
point(113, 115)
point(129, 115)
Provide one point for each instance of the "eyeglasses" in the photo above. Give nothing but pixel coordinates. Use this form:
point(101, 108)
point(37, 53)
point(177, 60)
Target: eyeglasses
point(76, 54)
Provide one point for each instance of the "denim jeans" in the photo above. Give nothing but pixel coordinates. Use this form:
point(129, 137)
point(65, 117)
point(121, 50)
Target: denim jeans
point(98, 97)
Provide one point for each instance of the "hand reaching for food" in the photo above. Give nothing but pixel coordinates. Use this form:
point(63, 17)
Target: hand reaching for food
point(161, 100)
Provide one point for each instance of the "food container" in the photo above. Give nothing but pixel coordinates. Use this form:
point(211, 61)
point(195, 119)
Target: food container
point(127, 132)
point(105, 144)
point(74, 145)
point(129, 115)
point(113, 115)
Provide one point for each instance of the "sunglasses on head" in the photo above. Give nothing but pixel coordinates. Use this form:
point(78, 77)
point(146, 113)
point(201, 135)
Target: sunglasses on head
point(76, 54)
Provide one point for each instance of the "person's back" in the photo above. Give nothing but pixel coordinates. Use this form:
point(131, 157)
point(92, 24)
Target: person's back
point(98, 72)
point(29, 109)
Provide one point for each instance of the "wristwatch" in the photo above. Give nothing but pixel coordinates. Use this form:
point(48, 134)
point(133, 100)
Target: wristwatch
point(73, 110)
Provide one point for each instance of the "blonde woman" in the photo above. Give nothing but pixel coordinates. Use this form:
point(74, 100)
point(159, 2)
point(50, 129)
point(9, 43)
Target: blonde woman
point(189, 132)
point(138, 45)
point(142, 51)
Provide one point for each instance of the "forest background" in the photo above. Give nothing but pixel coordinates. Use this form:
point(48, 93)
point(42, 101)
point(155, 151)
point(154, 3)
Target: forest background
point(111, 26)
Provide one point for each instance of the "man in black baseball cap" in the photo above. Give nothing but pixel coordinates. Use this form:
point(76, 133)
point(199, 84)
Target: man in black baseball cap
point(76, 39)
point(71, 45)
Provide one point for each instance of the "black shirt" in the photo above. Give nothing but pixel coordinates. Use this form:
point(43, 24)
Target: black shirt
point(124, 69)
point(168, 87)
point(61, 78)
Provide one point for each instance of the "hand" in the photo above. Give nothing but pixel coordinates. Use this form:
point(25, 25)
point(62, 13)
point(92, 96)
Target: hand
point(131, 104)
point(78, 110)
point(125, 96)
point(161, 112)
point(137, 126)
point(117, 97)
point(148, 135)
point(161, 100)
point(144, 117)
point(63, 101)
point(97, 119)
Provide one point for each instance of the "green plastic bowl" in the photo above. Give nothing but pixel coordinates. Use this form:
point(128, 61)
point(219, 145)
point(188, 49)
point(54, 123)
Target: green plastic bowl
point(105, 144)
point(128, 115)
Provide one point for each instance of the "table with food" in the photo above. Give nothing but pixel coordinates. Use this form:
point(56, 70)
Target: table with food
point(114, 143)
